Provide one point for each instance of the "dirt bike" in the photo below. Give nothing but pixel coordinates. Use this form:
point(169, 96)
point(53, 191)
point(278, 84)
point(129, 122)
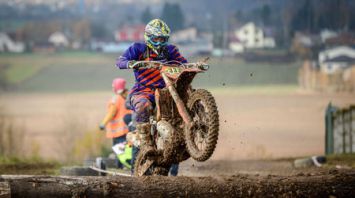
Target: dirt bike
point(185, 122)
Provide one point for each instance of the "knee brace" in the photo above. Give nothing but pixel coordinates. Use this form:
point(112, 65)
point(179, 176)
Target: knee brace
point(143, 108)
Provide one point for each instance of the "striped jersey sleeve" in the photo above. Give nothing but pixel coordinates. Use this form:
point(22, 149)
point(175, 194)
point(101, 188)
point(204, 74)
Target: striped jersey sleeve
point(132, 53)
point(175, 54)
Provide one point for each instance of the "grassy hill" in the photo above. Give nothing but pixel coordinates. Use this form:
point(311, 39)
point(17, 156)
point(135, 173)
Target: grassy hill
point(84, 71)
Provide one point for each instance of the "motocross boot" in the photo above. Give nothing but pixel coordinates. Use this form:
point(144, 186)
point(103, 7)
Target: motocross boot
point(143, 130)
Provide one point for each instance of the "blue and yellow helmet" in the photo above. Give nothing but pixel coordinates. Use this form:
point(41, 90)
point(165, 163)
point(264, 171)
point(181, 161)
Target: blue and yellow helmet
point(156, 34)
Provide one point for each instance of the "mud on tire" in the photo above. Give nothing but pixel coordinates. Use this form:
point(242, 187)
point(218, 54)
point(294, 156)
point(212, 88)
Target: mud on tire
point(144, 154)
point(203, 111)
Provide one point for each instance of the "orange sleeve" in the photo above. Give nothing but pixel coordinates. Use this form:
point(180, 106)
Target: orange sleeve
point(112, 110)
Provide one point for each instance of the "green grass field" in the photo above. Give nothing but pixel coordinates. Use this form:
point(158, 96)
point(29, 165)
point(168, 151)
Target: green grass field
point(85, 71)
point(29, 166)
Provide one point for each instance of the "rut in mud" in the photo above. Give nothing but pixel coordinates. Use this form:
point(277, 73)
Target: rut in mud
point(338, 183)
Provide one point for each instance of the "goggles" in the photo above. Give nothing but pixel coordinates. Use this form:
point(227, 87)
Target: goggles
point(159, 40)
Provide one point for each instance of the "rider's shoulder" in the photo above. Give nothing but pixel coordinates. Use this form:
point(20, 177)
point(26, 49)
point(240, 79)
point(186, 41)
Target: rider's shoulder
point(172, 47)
point(139, 46)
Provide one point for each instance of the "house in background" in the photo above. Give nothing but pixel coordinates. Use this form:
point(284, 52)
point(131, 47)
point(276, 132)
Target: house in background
point(191, 42)
point(336, 59)
point(130, 33)
point(343, 38)
point(306, 40)
point(122, 38)
point(59, 40)
point(327, 34)
point(109, 46)
point(250, 36)
point(189, 34)
point(307, 45)
point(43, 47)
point(7, 44)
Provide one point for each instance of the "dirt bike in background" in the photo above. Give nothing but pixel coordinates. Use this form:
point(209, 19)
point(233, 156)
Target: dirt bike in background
point(185, 122)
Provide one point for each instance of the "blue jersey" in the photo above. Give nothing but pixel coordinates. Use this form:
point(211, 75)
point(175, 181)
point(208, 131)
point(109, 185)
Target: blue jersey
point(148, 79)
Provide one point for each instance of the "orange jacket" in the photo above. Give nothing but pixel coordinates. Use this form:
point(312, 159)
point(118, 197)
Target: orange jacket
point(114, 119)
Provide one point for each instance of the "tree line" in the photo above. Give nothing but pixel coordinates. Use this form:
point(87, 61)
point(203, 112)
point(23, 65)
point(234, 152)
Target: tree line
point(284, 17)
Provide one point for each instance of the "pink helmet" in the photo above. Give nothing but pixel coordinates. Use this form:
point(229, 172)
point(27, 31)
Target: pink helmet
point(118, 84)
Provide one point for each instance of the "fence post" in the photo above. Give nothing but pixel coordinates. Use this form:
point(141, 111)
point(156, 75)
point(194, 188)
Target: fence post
point(347, 130)
point(343, 121)
point(329, 129)
point(352, 128)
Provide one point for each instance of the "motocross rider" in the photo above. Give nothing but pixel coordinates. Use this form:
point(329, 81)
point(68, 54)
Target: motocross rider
point(155, 48)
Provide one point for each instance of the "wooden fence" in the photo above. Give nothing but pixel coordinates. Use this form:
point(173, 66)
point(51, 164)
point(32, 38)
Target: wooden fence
point(340, 130)
point(312, 78)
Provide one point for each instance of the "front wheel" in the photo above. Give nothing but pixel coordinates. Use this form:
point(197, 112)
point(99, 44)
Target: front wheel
point(145, 163)
point(201, 139)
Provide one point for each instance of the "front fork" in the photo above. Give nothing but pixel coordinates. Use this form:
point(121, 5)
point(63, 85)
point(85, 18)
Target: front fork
point(179, 103)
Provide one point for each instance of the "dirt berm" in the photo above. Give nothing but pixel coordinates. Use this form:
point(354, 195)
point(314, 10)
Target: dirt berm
point(330, 183)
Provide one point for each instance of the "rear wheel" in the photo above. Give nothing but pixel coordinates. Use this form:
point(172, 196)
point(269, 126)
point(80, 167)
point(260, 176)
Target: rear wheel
point(202, 138)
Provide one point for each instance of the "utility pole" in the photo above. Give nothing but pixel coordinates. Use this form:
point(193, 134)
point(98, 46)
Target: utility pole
point(225, 31)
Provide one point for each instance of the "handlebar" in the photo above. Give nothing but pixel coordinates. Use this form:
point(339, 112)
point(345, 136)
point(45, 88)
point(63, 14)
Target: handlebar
point(158, 65)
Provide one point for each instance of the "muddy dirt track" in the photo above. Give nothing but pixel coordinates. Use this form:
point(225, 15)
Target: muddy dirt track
point(244, 178)
point(326, 183)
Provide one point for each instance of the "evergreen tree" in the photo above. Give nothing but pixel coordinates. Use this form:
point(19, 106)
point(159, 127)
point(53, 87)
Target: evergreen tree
point(315, 15)
point(146, 16)
point(303, 20)
point(99, 30)
point(173, 16)
point(265, 14)
point(239, 16)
